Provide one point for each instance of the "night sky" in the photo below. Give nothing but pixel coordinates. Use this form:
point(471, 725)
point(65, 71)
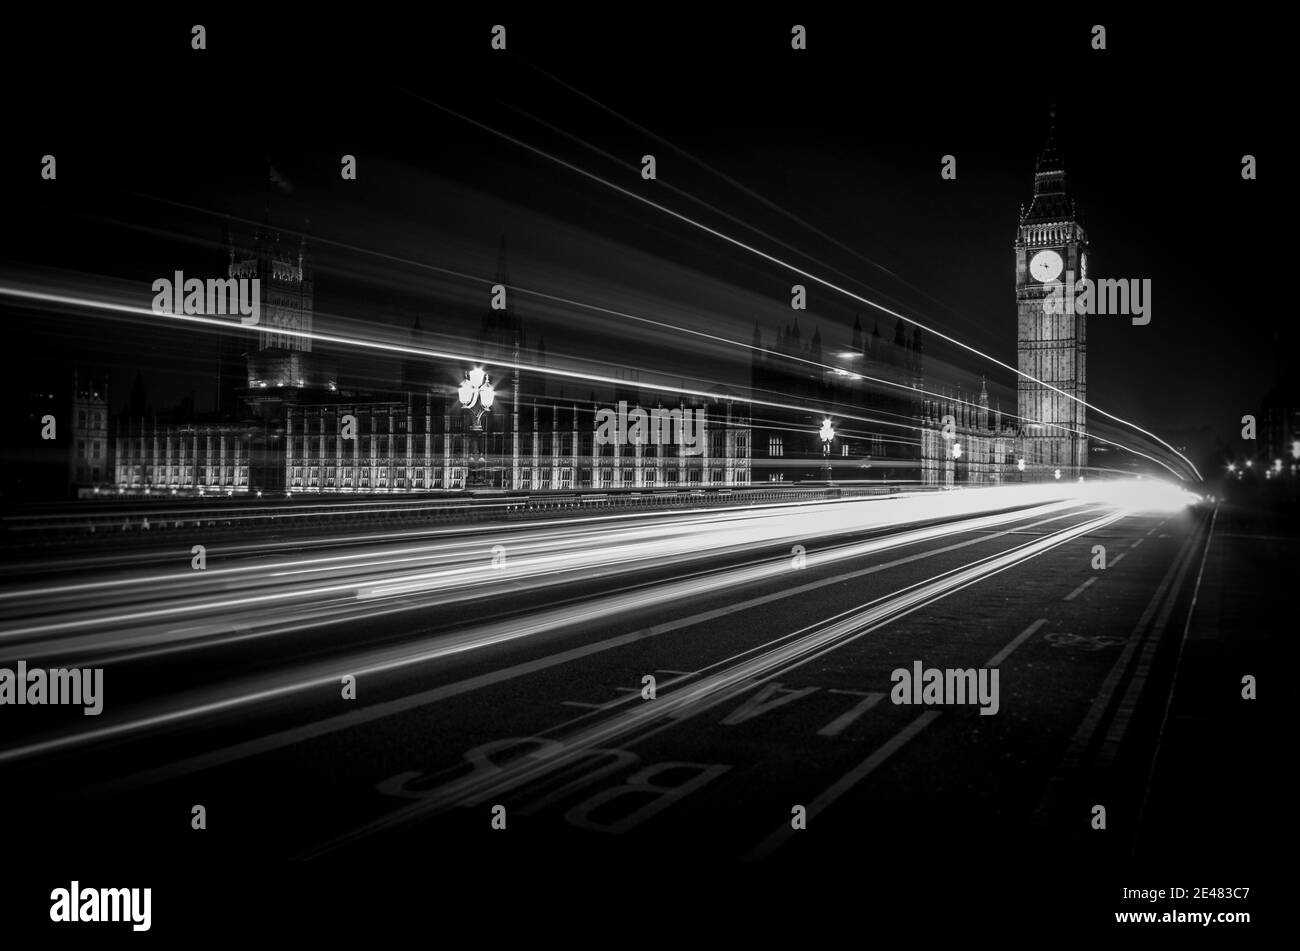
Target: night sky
point(828, 158)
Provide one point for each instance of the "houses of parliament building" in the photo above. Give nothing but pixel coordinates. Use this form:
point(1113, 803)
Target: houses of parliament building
point(284, 424)
point(859, 411)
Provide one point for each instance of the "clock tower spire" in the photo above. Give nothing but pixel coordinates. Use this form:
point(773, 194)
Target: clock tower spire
point(1051, 251)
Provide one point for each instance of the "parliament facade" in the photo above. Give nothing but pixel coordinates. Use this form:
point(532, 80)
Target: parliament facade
point(284, 424)
point(854, 412)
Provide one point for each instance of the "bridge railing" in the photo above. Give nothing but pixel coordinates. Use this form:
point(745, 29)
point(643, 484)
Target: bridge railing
point(118, 522)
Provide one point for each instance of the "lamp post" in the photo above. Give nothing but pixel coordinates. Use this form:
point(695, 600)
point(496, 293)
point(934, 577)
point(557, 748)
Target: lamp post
point(827, 434)
point(476, 395)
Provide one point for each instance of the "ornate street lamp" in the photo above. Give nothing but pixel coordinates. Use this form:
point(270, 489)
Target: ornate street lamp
point(476, 396)
point(827, 433)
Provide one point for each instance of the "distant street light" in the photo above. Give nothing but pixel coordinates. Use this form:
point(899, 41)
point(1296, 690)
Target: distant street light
point(956, 450)
point(1020, 464)
point(1058, 473)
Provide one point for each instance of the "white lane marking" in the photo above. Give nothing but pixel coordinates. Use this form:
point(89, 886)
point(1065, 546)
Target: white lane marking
point(1128, 703)
point(586, 705)
point(997, 659)
point(849, 780)
point(880, 755)
point(1116, 560)
point(1178, 663)
point(841, 722)
point(1139, 541)
point(1079, 590)
point(1092, 720)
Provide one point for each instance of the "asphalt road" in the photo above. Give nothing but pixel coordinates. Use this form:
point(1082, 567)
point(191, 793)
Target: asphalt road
point(523, 700)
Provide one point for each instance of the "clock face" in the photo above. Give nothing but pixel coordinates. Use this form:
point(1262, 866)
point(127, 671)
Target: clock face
point(1083, 266)
point(1046, 266)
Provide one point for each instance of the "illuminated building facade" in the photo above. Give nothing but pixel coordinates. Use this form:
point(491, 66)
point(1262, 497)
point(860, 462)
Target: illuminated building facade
point(161, 456)
point(424, 442)
point(299, 432)
point(965, 444)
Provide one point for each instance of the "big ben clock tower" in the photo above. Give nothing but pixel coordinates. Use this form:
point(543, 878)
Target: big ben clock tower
point(1051, 254)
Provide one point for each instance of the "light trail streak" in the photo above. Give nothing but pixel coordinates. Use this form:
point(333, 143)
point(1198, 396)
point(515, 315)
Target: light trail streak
point(805, 274)
point(746, 190)
point(322, 674)
point(463, 543)
point(690, 537)
point(393, 348)
point(643, 720)
point(713, 208)
point(459, 570)
point(214, 322)
point(372, 661)
point(711, 513)
point(625, 315)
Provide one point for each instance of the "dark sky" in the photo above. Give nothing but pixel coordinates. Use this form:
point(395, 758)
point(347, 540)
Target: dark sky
point(845, 137)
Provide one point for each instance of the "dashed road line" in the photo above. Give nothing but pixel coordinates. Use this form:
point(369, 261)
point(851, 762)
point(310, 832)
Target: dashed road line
point(838, 725)
point(1083, 735)
point(1178, 663)
point(1079, 590)
point(1124, 713)
point(891, 746)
